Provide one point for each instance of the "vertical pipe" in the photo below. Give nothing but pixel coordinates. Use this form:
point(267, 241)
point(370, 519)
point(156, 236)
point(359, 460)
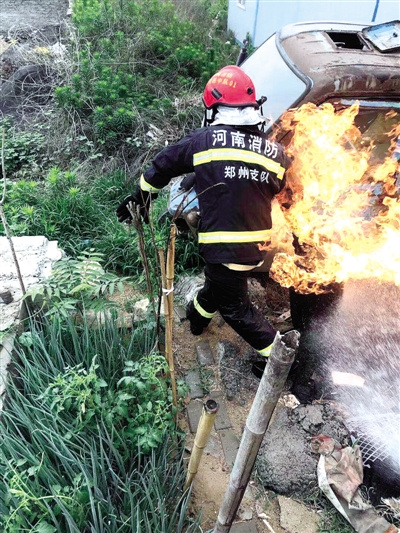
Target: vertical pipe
point(255, 23)
point(206, 422)
point(268, 393)
point(375, 11)
point(169, 311)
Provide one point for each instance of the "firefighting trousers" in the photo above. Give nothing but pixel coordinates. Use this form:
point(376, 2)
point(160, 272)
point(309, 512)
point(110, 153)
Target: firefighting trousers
point(226, 290)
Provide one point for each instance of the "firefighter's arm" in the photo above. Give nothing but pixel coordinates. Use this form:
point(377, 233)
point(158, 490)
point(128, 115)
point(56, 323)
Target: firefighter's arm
point(172, 161)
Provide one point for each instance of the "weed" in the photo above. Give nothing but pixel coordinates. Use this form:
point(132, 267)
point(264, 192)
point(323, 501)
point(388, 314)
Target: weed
point(113, 87)
point(206, 378)
point(333, 522)
point(77, 285)
point(23, 150)
point(68, 457)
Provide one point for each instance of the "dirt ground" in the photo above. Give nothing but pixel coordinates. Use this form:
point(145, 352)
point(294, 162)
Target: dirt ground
point(213, 476)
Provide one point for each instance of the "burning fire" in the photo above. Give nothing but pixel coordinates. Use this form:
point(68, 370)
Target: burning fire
point(341, 202)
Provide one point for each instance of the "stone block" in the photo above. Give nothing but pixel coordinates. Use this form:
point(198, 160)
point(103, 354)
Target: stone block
point(230, 445)
point(222, 420)
point(6, 348)
point(213, 447)
point(245, 527)
point(194, 411)
point(36, 256)
point(193, 381)
point(6, 297)
point(179, 313)
point(204, 354)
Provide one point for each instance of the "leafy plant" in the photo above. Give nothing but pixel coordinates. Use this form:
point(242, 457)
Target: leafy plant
point(139, 407)
point(113, 85)
point(76, 391)
point(77, 284)
point(22, 149)
point(64, 466)
point(140, 403)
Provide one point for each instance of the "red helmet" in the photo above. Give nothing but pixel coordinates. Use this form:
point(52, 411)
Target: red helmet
point(230, 87)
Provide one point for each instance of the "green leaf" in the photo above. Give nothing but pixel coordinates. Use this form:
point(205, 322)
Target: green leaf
point(32, 470)
point(81, 287)
point(44, 527)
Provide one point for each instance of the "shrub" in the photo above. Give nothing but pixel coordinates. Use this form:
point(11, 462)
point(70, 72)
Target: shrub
point(134, 59)
point(23, 150)
point(77, 285)
point(58, 208)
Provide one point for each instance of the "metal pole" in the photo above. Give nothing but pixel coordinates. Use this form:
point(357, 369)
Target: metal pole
point(210, 409)
point(268, 393)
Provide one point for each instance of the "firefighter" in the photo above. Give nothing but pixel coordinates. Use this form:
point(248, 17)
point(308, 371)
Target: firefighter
point(237, 173)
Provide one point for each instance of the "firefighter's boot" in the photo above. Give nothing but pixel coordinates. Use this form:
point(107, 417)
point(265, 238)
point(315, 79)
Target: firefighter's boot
point(258, 368)
point(197, 322)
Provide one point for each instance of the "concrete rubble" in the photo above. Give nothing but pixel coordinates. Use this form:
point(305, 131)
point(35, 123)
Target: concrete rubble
point(36, 257)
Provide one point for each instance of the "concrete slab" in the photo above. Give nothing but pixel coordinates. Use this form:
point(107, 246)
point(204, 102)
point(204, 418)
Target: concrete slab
point(249, 526)
point(222, 420)
point(296, 517)
point(230, 445)
point(194, 411)
point(193, 381)
point(36, 257)
point(214, 448)
point(204, 354)
point(6, 347)
point(33, 14)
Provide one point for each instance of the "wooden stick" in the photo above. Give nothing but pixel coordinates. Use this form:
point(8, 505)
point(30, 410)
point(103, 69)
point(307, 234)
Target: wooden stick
point(268, 393)
point(210, 409)
point(137, 222)
point(161, 259)
point(170, 305)
point(4, 219)
point(167, 275)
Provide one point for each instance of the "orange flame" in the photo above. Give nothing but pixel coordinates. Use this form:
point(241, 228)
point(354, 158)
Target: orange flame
point(344, 229)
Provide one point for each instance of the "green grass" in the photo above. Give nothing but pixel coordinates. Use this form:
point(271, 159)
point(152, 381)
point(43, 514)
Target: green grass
point(67, 465)
point(87, 442)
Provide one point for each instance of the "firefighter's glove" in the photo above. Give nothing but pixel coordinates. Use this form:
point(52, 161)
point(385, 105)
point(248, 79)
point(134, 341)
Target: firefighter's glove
point(140, 199)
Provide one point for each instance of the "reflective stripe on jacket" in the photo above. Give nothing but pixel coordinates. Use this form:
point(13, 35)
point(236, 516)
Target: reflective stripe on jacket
point(238, 172)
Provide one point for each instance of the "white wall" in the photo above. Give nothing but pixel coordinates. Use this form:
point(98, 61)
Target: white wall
point(262, 18)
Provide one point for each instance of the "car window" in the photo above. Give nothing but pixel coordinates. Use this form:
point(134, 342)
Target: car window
point(274, 79)
point(375, 120)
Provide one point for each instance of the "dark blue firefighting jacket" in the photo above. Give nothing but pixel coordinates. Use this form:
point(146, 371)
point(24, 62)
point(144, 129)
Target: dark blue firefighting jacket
point(238, 172)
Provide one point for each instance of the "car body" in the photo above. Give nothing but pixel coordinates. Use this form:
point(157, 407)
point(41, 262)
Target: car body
point(322, 62)
point(340, 64)
point(331, 63)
